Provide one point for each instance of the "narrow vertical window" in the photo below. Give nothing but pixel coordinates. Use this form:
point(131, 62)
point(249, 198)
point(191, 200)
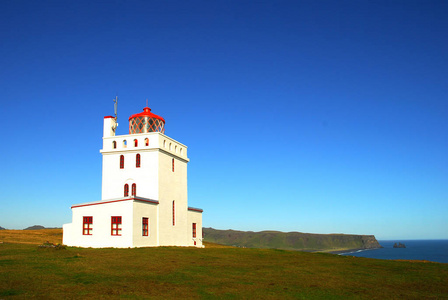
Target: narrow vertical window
point(174, 213)
point(145, 227)
point(121, 161)
point(146, 142)
point(125, 144)
point(134, 189)
point(114, 144)
point(137, 160)
point(87, 225)
point(194, 230)
point(135, 143)
point(173, 164)
point(116, 226)
point(126, 190)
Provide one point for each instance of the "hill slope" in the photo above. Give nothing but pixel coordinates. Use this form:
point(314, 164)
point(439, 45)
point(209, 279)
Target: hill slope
point(290, 240)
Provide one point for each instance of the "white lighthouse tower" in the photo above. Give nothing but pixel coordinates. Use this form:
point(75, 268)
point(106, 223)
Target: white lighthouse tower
point(144, 191)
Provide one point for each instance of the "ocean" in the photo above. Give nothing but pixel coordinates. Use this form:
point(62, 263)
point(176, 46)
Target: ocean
point(432, 250)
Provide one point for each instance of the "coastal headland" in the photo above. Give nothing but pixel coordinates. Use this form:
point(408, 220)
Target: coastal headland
point(299, 241)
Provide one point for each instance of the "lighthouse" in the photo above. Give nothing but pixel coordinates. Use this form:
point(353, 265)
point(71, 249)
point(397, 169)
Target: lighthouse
point(144, 198)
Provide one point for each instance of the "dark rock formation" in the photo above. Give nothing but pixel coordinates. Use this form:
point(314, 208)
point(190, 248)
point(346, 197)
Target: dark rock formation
point(399, 245)
point(1, 228)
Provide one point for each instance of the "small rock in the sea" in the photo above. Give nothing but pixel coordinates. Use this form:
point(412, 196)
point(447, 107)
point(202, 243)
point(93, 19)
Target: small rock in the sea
point(399, 245)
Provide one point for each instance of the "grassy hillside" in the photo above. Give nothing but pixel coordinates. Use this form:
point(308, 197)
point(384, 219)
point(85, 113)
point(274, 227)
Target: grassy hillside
point(27, 271)
point(290, 240)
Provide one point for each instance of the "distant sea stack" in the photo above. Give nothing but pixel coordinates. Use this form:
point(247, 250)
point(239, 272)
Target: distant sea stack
point(290, 240)
point(399, 245)
point(1, 228)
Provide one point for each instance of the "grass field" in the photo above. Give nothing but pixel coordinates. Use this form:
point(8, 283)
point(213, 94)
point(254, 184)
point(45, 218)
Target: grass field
point(214, 272)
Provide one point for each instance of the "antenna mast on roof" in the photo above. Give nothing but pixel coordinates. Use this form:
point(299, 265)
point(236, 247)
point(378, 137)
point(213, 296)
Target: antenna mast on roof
point(115, 106)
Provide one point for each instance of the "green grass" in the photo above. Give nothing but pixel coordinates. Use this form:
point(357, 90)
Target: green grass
point(170, 272)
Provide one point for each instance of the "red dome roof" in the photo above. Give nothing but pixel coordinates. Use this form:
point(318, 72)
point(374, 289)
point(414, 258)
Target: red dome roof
point(147, 113)
point(145, 122)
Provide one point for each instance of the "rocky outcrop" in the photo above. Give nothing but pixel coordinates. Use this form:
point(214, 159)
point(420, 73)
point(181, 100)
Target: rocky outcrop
point(290, 240)
point(399, 245)
point(1, 228)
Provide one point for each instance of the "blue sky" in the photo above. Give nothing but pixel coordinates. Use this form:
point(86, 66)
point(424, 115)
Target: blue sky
point(311, 116)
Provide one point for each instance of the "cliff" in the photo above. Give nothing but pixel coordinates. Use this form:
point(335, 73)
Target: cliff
point(290, 240)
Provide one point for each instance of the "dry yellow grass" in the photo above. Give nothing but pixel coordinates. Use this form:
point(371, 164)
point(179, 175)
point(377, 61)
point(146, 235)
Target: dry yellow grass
point(31, 236)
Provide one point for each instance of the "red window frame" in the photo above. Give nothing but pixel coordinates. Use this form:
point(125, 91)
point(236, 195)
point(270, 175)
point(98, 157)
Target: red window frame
point(115, 225)
point(194, 230)
point(145, 227)
point(87, 225)
point(174, 213)
point(146, 142)
point(134, 190)
point(137, 160)
point(135, 143)
point(173, 164)
point(121, 161)
point(126, 190)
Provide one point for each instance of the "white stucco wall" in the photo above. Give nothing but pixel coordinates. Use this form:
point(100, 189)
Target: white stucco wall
point(101, 232)
point(151, 212)
point(172, 187)
point(195, 217)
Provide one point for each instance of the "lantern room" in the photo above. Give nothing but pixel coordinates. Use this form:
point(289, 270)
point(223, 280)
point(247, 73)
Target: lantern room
point(145, 122)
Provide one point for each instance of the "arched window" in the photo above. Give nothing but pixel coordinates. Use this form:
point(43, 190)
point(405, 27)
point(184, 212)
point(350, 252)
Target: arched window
point(174, 213)
point(175, 149)
point(135, 143)
point(134, 190)
point(164, 144)
point(126, 190)
point(181, 151)
point(121, 161)
point(137, 160)
point(146, 142)
point(170, 147)
point(125, 144)
point(173, 164)
point(114, 145)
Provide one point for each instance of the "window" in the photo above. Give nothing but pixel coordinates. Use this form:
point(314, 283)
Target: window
point(170, 147)
point(135, 143)
point(116, 226)
point(121, 161)
point(137, 160)
point(164, 144)
point(174, 213)
point(126, 190)
point(173, 164)
point(181, 151)
point(145, 227)
point(146, 142)
point(175, 149)
point(125, 144)
point(87, 225)
point(114, 144)
point(134, 189)
point(194, 230)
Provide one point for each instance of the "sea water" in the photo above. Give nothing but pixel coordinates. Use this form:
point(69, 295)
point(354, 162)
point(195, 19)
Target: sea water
point(432, 250)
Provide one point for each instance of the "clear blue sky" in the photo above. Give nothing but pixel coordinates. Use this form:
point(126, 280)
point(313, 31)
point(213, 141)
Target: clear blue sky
point(311, 116)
